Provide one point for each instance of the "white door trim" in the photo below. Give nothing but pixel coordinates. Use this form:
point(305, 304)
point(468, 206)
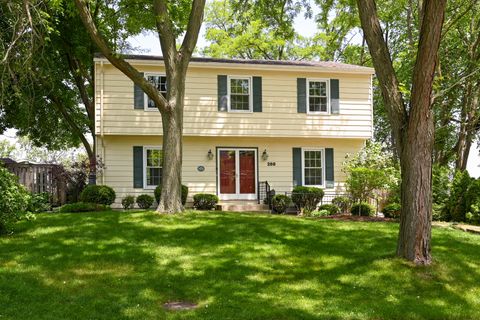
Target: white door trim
point(237, 195)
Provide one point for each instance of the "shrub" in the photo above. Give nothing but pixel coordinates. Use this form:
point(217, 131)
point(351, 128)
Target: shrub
point(98, 194)
point(343, 203)
point(144, 201)
point(14, 200)
point(392, 210)
point(158, 191)
point(331, 208)
point(306, 198)
point(280, 203)
point(320, 213)
point(128, 202)
point(205, 201)
point(362, 209)
point(83, 207)
point(39, 202)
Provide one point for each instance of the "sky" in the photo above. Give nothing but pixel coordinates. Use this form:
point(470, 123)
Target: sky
point(149, 44)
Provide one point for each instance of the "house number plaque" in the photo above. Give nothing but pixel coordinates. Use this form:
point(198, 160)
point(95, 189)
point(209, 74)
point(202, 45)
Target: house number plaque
point(200, 168)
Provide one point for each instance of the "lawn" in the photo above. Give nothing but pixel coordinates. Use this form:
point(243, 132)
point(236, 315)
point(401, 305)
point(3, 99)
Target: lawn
point(116, 265)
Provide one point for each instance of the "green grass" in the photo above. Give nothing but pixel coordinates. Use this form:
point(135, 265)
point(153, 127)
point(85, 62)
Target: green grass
point(115, 265)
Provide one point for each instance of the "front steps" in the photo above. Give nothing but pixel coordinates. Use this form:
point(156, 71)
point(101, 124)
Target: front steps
point(242, 206)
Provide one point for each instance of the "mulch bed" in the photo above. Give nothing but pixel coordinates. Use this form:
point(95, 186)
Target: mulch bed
point(348, 217)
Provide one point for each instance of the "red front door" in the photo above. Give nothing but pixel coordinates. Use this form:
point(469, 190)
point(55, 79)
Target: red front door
point(237, 174)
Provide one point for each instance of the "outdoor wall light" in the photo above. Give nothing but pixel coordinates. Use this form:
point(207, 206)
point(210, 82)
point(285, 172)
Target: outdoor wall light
point(210, 154)
point(265, 155)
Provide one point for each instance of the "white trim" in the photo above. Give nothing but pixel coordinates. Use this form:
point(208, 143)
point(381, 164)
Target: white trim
point(323, 167)
point(145, 148)
point(237, 195)
point(327, 81)
point(145, 96)
point(250, 93)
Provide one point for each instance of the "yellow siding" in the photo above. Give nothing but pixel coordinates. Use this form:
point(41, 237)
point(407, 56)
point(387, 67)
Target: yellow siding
point(114, 92)
point(117, 155)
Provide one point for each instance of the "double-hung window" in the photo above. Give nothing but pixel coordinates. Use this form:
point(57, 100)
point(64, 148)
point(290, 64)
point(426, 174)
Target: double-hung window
point(158, 81)
point(318, 96)
point(153, 164)
point(240, 94)
point(313, 168)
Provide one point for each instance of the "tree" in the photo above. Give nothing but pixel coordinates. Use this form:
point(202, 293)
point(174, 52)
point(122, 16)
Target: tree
point(412, 123)
point(6, 149)
point(170, 21)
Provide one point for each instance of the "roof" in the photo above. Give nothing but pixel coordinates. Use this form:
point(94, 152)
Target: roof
point(7, 160)
point(336, 66)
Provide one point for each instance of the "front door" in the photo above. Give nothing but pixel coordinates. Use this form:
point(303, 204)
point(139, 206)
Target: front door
point(237, 174)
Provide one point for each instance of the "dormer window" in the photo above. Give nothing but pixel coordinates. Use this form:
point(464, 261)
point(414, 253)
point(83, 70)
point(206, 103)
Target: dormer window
point(240, 94)
point(159, 81)
point(318, 96)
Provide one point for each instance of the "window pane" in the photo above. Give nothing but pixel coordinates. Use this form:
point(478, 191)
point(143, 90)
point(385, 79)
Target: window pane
point(318, 88)
point(154, 176)
point(313, 167)
point(239, 86)
point(154, 158)
point(159, 82)
point(239, 102)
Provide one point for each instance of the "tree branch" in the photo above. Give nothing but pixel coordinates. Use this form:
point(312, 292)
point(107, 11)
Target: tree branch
point(166, 34)
point(116, 60)
point(193, 29)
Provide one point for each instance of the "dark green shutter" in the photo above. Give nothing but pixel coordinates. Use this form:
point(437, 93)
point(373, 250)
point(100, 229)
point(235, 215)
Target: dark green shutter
point(301, 95)
point(138, 167)
point(334, 96)
point(297, 166)
point(257, 94)
point(329, 168)
point(138, 96)
point(222, 93)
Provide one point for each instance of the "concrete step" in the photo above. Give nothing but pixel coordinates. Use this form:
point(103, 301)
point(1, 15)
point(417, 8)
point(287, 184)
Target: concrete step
point(245, 207)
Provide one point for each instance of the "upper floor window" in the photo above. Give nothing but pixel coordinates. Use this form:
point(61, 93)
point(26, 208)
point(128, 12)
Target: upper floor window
point(240, 94)
point(313, 167)
point(152, 166)
point(318, 96)
point(158, 81)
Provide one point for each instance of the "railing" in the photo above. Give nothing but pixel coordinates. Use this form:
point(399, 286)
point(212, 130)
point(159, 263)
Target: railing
point(264, 193)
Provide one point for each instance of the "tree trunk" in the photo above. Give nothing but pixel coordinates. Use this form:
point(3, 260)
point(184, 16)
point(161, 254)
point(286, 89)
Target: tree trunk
point(172, 122)
point(92, 162)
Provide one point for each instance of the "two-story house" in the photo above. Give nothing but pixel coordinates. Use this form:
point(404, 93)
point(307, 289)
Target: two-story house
point(245, 122)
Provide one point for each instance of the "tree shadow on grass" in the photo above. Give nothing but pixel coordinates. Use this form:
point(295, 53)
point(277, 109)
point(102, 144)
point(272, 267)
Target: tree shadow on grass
point(235, 266)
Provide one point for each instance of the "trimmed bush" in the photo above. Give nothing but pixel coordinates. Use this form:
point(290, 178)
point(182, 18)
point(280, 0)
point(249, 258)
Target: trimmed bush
point(392, 210)
point(280, 203)
point(343, 203)
point(306, 198)
point(205, 201)
point(158, 191)
point(320, 213)
point(331, 208)
point(128, 202)
point(98, 194)
point(83, 207)
point(14, 200)
point(362, 209)
point(144, 201)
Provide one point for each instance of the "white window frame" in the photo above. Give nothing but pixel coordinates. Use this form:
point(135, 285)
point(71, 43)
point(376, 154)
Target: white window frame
point(323, 167)
point(145, 96)
point(327, 81)
point(145, 148)
point(250, 93)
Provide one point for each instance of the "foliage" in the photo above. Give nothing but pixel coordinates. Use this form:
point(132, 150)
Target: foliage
point(39, 202)
point(343, 203)
point(457, 204)
point(6, 149)
point(128, 202)
point(83, 207)
point(331, 208)
point(14, 200)
point(392, 210)
point(371, 173)
point(98, 194)
point(205, 201)
point(280, 203)
point(145, 201)
point(307, 198)
point(320, 213)
point(362, 209)
point(158, 192)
